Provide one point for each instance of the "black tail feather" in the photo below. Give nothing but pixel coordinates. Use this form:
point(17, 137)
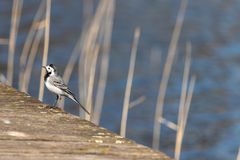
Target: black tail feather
point(75, 100)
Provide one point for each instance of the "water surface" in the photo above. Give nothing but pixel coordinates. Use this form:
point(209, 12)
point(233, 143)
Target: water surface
point(213, 27)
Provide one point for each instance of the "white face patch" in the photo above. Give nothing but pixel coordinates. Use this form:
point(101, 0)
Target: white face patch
point(49, 69)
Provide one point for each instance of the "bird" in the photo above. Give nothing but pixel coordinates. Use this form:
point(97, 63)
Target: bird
point(54, 83)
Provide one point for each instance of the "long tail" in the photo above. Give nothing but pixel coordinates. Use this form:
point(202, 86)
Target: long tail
point(75, 100)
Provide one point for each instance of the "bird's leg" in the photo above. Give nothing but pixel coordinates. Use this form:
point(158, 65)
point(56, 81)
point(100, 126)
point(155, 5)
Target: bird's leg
point(56, 101)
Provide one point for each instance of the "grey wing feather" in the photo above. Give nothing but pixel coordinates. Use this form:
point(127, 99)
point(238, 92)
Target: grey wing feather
point(58, 82)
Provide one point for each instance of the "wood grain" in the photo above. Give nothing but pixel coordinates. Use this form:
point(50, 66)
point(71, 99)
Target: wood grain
point(33, 130)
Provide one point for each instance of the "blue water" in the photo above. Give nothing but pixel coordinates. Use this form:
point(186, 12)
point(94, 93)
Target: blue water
point(213, 27)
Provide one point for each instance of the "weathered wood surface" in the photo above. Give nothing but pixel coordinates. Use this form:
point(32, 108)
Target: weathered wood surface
point(32, 130)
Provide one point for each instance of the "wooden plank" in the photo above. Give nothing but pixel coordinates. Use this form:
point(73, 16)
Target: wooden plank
point(33, 130)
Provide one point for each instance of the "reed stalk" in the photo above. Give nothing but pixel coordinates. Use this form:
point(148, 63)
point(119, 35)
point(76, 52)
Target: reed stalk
point(16, 14)
point(104, 63)
point(46, 47)
point(238, 155)
point(129, 83)
point(70, 65)
point(189, 99)
point(88, 47)
point(73, 59)
point(182, 125)
point(91, 82)
point(168, 123)
point(182, 102)
point(166, 73)
point(85, 48)
point(32, 55)
point(87, 14)
point(137, 102)
point(28, 43)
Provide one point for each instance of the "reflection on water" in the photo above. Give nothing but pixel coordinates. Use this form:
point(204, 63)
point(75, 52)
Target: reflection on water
point(213, 27)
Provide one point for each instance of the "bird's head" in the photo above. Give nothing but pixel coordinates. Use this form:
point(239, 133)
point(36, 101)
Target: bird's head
point(50, 69)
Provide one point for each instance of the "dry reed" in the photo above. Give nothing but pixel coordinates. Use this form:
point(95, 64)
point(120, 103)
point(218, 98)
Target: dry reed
point(70, 65)
point(28, 43)
point(168, 123)
point(182, 103)
point(189, 99)
point(129, 83)
point(91, 81)
point(46, 46)
point(185, 81)
point(238, 155)
point(85, 47)
point(137, 102)
point(91, 40)
point(87, 12)
point(73, 60)
point(104, 63)
point(166, 73)
point(182, 125)
point(32, 55)
point(16, 14)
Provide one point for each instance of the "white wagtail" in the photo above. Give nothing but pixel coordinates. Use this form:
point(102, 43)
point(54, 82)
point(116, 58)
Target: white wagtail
point(55, 84)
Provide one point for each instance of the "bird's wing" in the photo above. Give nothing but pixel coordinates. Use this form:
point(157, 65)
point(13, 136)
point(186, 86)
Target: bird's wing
point(58, 82)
